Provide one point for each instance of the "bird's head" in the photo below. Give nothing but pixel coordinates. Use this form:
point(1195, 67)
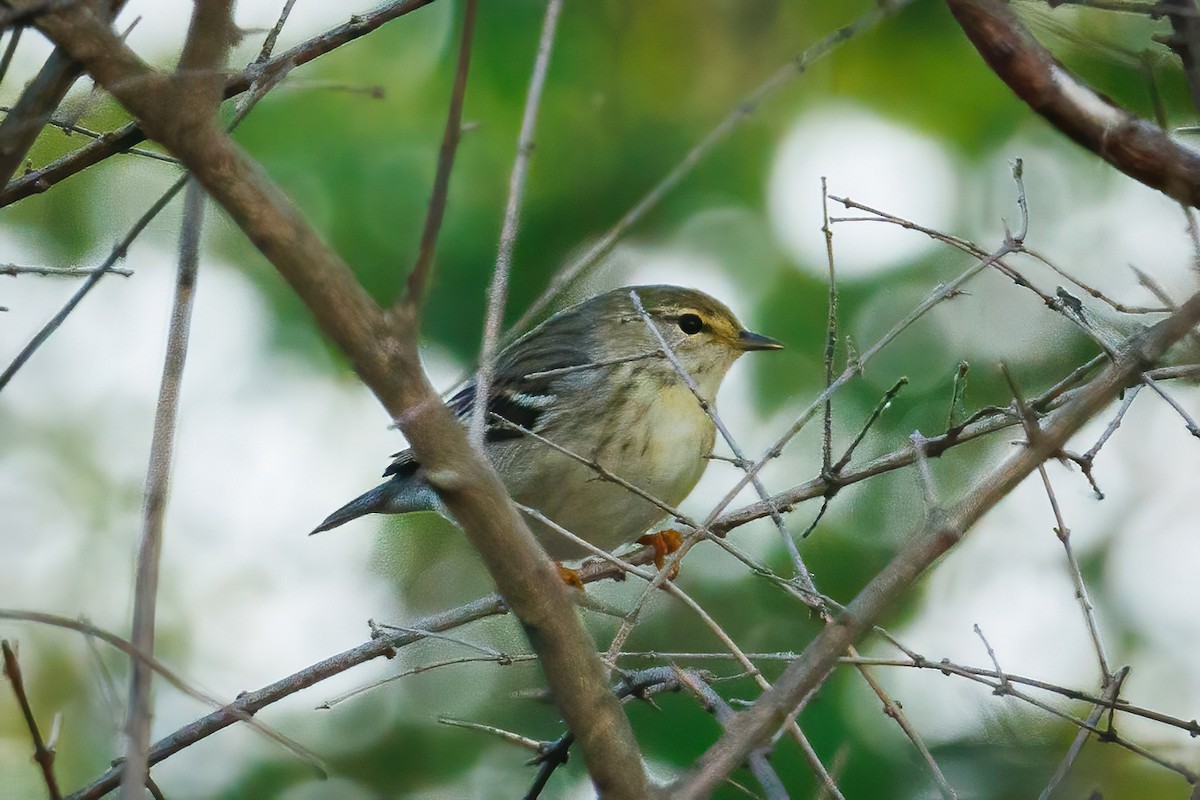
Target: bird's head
point(701, 331)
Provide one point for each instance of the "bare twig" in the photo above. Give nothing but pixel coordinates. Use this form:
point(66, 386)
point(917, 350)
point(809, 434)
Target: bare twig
point(250, 703)
point(358, 691)
point(68, 128)
point(158, 480)
point(60, 272)
point(22, 124)
point(1188, 422)
point(936, 537)
point(120, 140)
point(734, 118)
point(831, 329)
point(894, 710)
point(1133, 145)
point(268, 45)
point(939, 294)
point(117, 253)
point(985, 423)
point(508, 736)
point(43, 755)
point(1112, 690)
point(498, 291)
point(714, 704)
point(1081, 594)
point(1005, 685)
point(236, 714)
point(196, 91)
point(419, 276)
point(10, 50)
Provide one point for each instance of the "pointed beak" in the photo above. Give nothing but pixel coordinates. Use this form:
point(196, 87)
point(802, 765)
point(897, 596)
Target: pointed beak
point(756, 341)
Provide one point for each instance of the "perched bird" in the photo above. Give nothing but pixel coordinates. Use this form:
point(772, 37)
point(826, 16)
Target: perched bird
point(594, 380)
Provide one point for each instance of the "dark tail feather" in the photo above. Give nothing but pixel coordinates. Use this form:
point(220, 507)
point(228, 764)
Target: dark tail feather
point(378, 500)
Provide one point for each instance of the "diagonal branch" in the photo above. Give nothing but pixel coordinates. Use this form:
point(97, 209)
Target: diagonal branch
point(43, 755)
point(419, 276)
point(498, 291)
point(736, 116)
point(381, 346)
point(941, 532)
point(137, 722)
point(125, 137)
point(204, 53)
point(1133, 145)
point(24, 122)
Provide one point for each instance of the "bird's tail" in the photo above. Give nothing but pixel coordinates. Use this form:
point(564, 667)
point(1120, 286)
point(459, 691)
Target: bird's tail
point(389, 497)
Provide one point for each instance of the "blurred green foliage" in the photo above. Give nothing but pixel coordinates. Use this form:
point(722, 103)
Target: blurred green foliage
point(631, 88)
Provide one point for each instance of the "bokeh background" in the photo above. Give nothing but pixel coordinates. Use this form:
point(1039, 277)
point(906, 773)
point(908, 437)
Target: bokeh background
point(275, 431)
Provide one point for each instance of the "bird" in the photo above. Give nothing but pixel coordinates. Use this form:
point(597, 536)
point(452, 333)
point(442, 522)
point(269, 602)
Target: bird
point(595, 380)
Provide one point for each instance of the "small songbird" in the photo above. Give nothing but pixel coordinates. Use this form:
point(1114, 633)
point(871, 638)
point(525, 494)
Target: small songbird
point(594, 380)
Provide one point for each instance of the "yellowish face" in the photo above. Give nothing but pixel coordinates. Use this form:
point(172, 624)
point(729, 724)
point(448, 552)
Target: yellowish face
point(701, 331)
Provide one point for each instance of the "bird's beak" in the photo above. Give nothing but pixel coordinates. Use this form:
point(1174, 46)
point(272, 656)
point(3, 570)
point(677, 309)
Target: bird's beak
point(756, 341)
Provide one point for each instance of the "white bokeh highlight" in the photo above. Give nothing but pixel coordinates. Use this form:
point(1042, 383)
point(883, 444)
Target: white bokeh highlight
point(869, 159)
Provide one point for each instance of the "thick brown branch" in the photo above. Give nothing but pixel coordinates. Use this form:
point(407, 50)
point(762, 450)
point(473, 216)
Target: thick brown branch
point(1133, 145)
point(120, 140)
point(382, 347)
point(24, 122)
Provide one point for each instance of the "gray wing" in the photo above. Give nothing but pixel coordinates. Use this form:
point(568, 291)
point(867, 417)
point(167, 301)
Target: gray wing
point(521, 392)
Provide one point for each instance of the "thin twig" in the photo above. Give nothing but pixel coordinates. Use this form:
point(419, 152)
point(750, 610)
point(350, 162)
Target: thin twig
point(1004, 686)
point(268, 45)
point(831, 329)
point(6, 60)
point(734, 118)
point(43, 755)
point(508, 736)
point(118, 252)
point(196, 89)
point(716, 705)
point(60, 272)
point(419, 276)
point(1112, 690)
point(934, 538)
point(121, 139)
point(924, 473)
point(20, 128)
point(938, 295)
point(158, 480)
point(498, 291)
point(1188, 422)
point(1081, 594)
point(358, 691)
point(72, 127)
point(896, 711)
point(254, 94)
point(232, 711)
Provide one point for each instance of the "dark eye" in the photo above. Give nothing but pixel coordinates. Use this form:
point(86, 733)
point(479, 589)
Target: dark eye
point(690, 323)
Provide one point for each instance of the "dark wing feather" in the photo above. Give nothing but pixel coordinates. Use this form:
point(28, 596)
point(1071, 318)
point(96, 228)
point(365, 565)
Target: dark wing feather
point(403, 465)
point(518, 393)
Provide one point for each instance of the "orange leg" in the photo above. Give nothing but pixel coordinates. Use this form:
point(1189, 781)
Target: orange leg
point(570, 576)
point(664, 543)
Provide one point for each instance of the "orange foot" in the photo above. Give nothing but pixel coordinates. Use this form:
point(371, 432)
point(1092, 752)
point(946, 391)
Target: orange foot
point(570, 576)
point(664, 543)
